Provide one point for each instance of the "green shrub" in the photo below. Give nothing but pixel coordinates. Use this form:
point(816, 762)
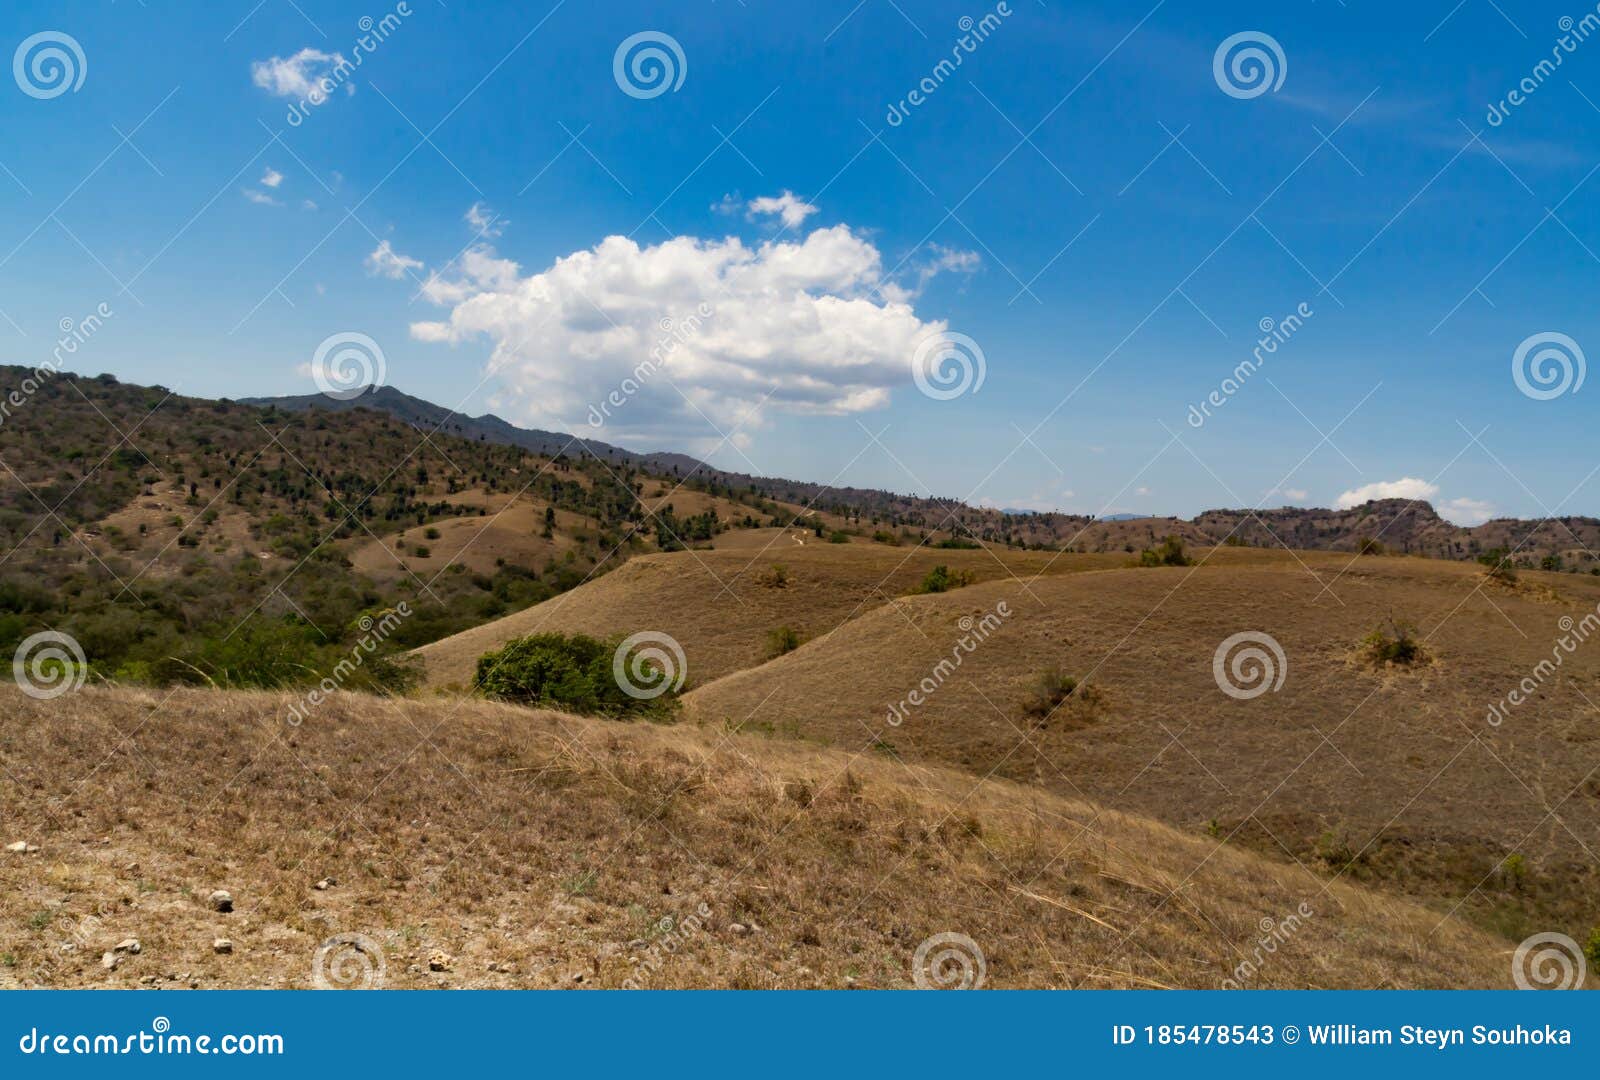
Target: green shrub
point(784, 639)
point(882, 537)
point(942, 579)
point(1051, 689)
point(561, 671)
point(1396, 643)
point(1497, 562)
point(1592, 949)
point(1366, 545)
point(957, 543)
point(838, 537)
point(1168, 553)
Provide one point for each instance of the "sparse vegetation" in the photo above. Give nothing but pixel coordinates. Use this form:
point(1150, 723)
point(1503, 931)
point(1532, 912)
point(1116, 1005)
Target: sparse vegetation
point(776, 577)
point(1366, 545)
point(1167, 553)
point(1053, 691)
point(1498, 566)
point(1395, 643)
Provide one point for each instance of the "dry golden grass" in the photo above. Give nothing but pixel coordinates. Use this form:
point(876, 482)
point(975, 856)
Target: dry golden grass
point(1412, 786)
point(721, 604)
point(534, 849)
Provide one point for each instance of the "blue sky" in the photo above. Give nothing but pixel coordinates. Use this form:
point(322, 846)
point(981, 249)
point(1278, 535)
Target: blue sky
point(1082, 200)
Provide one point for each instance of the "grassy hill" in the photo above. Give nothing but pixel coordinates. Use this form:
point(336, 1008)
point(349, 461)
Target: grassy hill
point(1378, 772)
point(469, 844)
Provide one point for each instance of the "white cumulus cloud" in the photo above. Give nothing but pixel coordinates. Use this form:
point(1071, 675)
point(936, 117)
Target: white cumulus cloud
point(385, 261)
point(789, 208)
point(693, 331)
point(300, 75)
point(271, 178)
point(1408, 487)
point(1467, 512)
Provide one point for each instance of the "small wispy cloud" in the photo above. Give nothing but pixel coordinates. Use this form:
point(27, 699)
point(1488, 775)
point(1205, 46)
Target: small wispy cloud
point(484, 221)
point(386, 262)
point(260, 198)
point(300, 75)
point(271, 178)
point(787, 207)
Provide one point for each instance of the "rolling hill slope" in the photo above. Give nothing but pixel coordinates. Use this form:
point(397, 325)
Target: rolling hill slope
point(430, 844)
point(1381, 773)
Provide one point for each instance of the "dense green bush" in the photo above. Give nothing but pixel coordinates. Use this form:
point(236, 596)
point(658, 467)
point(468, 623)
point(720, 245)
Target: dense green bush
point(942, 579)
point(561, 671)
point(1168, 553)
point(784, 639)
